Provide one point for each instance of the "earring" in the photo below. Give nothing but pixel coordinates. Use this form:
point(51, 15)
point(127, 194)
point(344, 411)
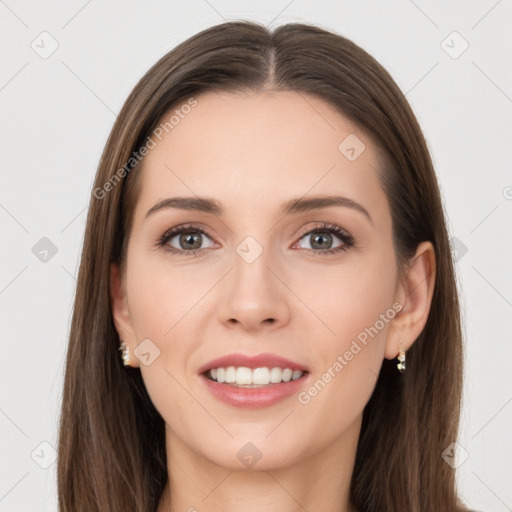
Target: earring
point(125, 353)
point(401, 359)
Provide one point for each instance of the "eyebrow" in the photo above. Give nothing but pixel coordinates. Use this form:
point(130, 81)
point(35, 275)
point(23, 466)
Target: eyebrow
point(299, 205)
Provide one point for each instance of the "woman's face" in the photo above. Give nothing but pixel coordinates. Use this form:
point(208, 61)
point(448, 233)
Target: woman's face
point(260, 282)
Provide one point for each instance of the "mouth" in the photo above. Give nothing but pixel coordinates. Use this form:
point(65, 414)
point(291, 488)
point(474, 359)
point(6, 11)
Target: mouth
point(253, 381)
point(253, 378)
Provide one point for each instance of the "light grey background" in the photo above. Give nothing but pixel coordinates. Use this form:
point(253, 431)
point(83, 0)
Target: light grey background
point(58, 111)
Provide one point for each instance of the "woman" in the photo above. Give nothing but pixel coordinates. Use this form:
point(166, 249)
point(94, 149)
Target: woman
point(266, 246)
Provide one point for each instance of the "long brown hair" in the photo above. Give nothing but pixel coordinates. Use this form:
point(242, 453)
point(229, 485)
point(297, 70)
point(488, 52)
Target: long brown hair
point(111, 450)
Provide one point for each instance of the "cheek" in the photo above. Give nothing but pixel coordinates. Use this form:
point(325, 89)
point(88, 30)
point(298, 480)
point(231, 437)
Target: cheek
point(167, 305)
point(150, 304)
point(159, 296)
point(347, 298)
point(354, 307)
point(160, 306)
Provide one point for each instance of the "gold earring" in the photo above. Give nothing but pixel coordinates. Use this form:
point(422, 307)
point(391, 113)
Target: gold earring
point(125, 353)
point(401, 361)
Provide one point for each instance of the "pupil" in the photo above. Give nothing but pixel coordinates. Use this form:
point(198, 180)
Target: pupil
point(324, 238)
point(187, 240)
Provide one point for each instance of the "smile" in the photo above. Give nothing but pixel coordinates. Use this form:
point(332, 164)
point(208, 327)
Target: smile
point(253, 378)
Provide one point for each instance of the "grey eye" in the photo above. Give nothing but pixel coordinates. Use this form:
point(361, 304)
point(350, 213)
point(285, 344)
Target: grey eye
point(320, 240)
point(191, 240)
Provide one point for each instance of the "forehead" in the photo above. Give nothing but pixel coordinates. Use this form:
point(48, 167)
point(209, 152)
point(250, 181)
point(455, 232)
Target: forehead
point(254, 149)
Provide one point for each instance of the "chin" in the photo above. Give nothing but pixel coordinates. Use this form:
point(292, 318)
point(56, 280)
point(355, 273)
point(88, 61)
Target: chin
point(253, 453)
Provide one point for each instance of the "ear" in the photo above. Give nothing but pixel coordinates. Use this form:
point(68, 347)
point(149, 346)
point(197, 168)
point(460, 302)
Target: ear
point(120, 311)
point(414, 293)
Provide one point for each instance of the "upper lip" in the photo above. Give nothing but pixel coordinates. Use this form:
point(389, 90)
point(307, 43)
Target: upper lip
point(255, 361)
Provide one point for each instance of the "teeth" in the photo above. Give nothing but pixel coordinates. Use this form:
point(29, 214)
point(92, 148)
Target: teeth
point(243, 376)
point(261, 376)
point(230, 375)
point(221, 374)
point(288, 374)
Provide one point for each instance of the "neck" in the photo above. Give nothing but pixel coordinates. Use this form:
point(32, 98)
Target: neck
point(320, 481)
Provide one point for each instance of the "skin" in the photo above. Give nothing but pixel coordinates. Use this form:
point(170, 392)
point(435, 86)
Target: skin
point(252, 153)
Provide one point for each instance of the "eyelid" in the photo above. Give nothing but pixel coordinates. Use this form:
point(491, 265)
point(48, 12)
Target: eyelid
point(163, 240)
point(324, 226)
point(346, 238)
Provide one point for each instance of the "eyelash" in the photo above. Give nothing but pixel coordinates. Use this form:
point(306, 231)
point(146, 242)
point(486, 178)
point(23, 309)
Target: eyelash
point(346, 238)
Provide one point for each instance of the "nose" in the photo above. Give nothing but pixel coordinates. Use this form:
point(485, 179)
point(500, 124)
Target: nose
point(253, 296)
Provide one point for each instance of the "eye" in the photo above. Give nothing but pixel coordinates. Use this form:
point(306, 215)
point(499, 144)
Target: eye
point(327, 239)
point(185, 240)
point(190, 240)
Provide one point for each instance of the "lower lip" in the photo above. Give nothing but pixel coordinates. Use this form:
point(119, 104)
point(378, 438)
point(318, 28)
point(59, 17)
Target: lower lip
point(253, 397)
